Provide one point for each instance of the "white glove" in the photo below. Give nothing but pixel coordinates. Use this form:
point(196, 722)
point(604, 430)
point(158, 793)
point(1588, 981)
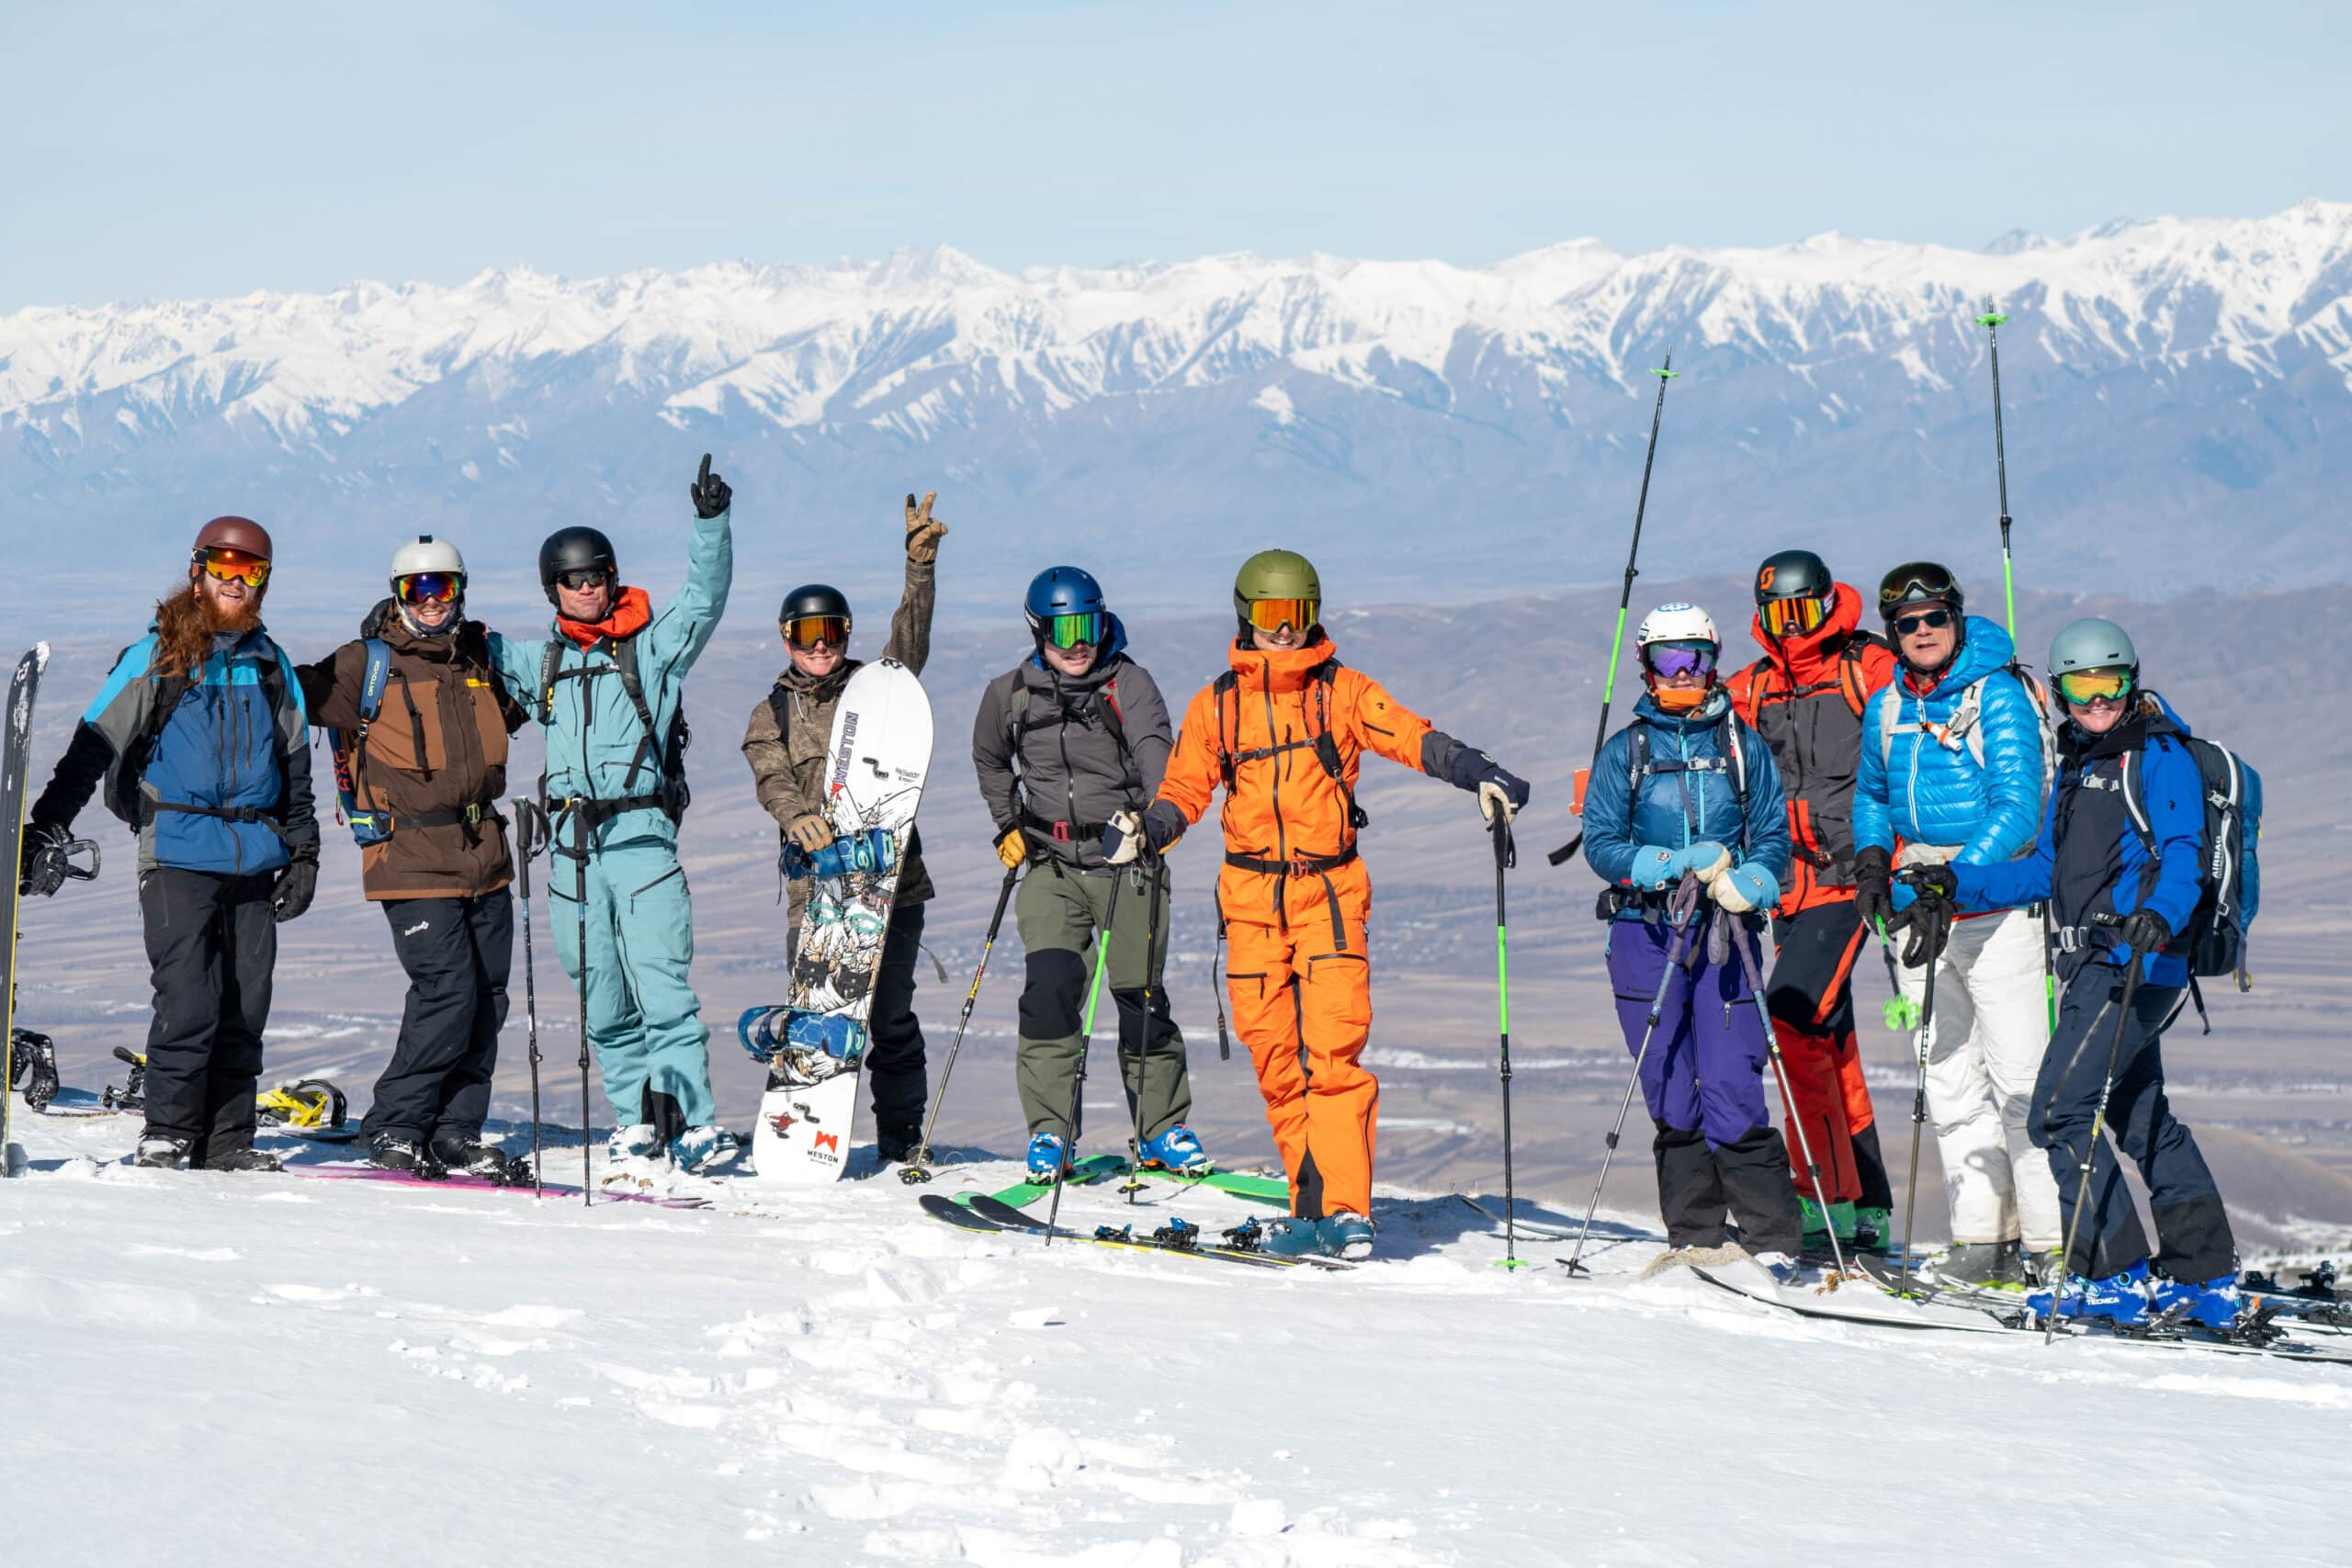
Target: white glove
point(1491, 799)
point(1122, 837)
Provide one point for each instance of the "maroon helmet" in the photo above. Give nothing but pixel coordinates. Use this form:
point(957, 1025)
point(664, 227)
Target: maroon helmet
point(234, 533)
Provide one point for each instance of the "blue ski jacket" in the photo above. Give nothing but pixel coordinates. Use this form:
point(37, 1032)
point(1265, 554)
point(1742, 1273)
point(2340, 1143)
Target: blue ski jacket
point(1686, 793)
point(1924, 786)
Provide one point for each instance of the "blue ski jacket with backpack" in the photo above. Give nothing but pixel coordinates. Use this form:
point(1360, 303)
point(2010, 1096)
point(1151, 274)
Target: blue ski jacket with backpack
point(1976, 785)
point(1703, 775)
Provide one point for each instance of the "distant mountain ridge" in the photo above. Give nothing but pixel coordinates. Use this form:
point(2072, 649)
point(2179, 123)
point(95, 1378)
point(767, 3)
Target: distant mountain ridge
point(2171, 386)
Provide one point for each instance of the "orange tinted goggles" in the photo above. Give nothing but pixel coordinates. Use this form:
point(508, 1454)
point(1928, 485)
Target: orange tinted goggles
point(234, 566)
point(2091, 685)
point(1272, 614)
point(1792, 618)
point(808, 631)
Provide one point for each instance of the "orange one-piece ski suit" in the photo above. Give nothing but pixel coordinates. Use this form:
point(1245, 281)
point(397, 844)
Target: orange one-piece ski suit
point(1285, 735)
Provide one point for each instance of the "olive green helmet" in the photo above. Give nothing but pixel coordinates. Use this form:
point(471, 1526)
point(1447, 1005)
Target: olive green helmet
point(1275, 575)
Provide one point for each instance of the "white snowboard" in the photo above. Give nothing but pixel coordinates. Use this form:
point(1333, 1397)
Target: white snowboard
point(881, 750)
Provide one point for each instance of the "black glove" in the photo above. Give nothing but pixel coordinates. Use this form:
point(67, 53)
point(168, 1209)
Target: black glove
point(1874, 887)
point(1929, 920)
point(294, 887)
point(1931, 881)
point(710, 493)
point(42, 870)
point(1470, 770)
point(2144, 932)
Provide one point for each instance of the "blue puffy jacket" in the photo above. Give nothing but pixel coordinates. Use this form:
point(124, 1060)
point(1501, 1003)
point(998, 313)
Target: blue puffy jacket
point(1934, 791)
point(2091, 861)
point(1679, 809)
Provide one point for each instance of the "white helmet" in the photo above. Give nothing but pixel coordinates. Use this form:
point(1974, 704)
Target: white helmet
point(1676, 622)
point(427, 553)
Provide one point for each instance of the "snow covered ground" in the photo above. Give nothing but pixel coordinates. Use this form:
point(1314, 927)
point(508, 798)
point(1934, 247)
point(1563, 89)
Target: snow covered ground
point(209, 1368)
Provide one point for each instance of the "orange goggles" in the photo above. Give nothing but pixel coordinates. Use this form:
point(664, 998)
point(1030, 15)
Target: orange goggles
point(2091, 685)
point(1792, 618)
point(233, 566)
point(1272, 614)
point(808, 631)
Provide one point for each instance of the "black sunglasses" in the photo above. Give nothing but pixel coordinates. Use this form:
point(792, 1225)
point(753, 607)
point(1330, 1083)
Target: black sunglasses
point(588, 577)
point(1933, 620)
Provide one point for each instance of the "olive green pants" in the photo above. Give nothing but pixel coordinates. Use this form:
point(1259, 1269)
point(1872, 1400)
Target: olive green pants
point(1059, 910)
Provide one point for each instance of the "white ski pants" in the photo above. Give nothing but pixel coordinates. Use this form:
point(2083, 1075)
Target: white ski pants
point(1990, 1031)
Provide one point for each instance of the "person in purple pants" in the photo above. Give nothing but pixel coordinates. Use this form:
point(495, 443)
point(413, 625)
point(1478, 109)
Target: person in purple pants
point(1688, 790)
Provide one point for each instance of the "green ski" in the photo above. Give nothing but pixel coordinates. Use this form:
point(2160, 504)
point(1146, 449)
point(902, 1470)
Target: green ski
point(1093, 1167)
point(1257, 1189)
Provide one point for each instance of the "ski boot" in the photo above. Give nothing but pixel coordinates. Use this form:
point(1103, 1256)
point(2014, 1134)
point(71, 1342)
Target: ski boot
point(1344, 1235)
point(1817, 1230)
point(1048, 1158)
point(1874, 1231)
point(246, 1159)
point(896, 1145)
point(704, 1151)
point(460, 1154)
point(1292, 1237)
point(161, 1151)
point(2213, 1304)
point(397, 1151)
point(1992, 1264)
point(2046, 1269)
point(1178, 1150)
point(2123, 1298)
point(634, 1141)
point(1784, 1270)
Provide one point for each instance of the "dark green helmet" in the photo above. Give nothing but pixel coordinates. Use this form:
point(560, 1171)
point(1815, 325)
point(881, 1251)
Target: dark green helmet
point(1275, 575)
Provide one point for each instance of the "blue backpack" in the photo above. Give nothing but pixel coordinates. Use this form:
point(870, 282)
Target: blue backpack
point(2230, 880)
point(366, 827)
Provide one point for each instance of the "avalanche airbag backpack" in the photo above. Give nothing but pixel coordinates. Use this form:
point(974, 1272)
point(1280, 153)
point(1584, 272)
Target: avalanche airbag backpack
point(2229, 879)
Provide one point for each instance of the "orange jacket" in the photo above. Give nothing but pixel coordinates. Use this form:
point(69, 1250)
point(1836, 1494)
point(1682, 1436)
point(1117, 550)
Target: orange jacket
point(1261, 734)
point(1806, 697)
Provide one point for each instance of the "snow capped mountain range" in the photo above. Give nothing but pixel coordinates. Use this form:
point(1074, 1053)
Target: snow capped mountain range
point(2168, 383)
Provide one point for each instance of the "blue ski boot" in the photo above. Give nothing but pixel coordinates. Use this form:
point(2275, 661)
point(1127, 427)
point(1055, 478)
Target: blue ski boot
point(1048, 1158)
point(2122, 1298)
point(703, 1150)
point(2213, 1303)
point(1178, 1150)
point(1291, 1236)
point(1345, 1235)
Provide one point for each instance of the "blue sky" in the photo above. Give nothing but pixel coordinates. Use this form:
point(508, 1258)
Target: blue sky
point(201, 148)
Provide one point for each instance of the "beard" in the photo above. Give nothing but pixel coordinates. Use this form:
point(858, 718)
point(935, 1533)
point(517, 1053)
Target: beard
point(187, 620)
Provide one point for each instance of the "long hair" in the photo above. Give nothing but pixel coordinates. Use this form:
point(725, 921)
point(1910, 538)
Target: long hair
point(184, 625)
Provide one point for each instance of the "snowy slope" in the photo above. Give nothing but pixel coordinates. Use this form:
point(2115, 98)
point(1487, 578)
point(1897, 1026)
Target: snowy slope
point(2173, 373)
point(202, 1368)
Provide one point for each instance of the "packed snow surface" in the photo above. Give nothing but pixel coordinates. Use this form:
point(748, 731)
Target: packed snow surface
point(216, 1368)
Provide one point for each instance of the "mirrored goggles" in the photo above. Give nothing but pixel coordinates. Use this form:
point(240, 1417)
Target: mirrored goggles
point(234, 566)
point(586, 576)
point(1793, 616)
point(429, 587)
point(1916, 582)
point(809, 631)
point(1084, 629)
point(1926, 620)
point(1671, 658)
point(2089, 685)
point(1272, 614)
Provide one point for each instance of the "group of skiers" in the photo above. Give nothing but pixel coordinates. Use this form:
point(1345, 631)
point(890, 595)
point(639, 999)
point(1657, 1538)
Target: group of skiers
point(1847, 786)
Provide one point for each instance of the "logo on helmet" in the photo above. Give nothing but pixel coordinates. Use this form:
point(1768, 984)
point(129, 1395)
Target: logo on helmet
point(1764, 577)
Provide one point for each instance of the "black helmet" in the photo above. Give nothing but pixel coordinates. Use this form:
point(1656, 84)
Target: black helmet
point(1919, 583)
point(812, 599)
point(1791, 574)
point(576, 548)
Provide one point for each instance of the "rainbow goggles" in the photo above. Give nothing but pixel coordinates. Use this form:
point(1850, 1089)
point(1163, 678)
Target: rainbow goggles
point(1272, 614)
point(2091, 685)
point(1671, 658)
point(1793, 616)
point(810, 631)
point(233, 566)
point(430, 588)
point(1086, 628)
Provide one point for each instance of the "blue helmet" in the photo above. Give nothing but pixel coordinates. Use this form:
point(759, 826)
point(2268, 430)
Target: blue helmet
point(1064, 591)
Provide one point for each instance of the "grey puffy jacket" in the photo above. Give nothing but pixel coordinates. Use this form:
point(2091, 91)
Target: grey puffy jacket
point(1085, 748)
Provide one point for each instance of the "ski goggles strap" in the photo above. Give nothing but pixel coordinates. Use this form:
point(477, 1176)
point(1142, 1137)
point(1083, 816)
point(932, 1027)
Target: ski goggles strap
point(808, 631)
point(1272, 614)
point(233, 566)
point(1084, 629)
point(2089, 685)
point(1793, 616)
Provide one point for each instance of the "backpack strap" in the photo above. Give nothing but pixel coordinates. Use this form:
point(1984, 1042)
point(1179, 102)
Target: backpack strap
point(546, 683)
point(624, 654)
point(780, 704)
point(1850, 673)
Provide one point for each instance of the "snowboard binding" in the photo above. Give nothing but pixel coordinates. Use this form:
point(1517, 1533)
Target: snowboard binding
point(310, 1105)
point(869, 852)
point(801, 1047)
point(132, 1094)
point(32, 1063)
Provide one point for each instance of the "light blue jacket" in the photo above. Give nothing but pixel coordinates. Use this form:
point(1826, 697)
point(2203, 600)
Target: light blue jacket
point(1932, 790)
point(1682, 807)
point(596, 735)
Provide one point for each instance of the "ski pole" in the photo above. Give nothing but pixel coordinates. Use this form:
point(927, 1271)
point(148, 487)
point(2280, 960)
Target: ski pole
point(1788, 1100)
point(1506, 856)
point(1085, 1039)
point(919, 1169)
point(527, 832)
point(1922, 1038)
point(580, 881)
point(2090, 1148)
point(1143, 1035)
point(1625, 598)
point(1683, 912)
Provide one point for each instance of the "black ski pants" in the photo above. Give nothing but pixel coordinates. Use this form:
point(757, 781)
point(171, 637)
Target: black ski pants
point(895, 1069)
point(211, 948)
point(2194, 1242)
point(458, 953)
